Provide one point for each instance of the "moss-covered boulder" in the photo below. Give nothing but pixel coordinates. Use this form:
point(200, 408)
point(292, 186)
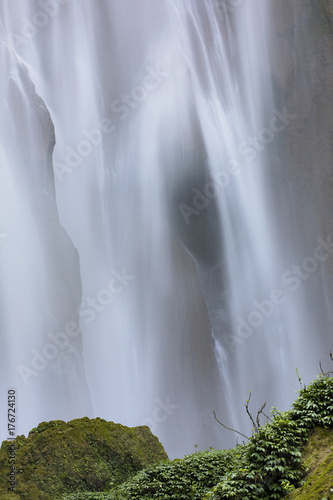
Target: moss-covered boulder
point(318, 458)
point(82, 455)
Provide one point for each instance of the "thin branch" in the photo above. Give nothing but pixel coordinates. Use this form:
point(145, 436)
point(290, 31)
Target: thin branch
point(300, 380)
point(258, 415)
point(321, 368)
point(229, 429)
point(268, 418)
point(249, 413)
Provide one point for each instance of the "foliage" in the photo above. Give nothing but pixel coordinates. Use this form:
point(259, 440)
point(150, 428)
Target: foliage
point(181, 479)
point(314, 405)
point(90, 496)
point(81, 455)
point(272, 464)
point(269, 466)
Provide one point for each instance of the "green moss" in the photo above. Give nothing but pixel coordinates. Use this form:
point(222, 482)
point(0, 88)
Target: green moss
point(273, 462)
point(319, 485)
point(80, 455)
point(318, 447)
point(268, 467)
point(318, 457)
point(61, 460)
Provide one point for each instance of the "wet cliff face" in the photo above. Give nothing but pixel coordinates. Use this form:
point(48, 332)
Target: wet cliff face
point(41, 287)
point(299, 176)
point(154, 343)
point(302, 69)
point(301, 55)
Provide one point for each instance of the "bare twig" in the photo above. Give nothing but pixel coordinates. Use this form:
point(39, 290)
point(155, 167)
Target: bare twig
point(249, 413)
point(229, 429)
point(300, 380)
point(268, 418)
point(258, 414)
point(256, 424)
point(321, 368)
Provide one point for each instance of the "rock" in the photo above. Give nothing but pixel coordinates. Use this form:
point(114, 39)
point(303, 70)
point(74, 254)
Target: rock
point(59, 458)
point(318, 456)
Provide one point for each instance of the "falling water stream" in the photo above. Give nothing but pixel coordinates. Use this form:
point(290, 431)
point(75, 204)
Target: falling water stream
point(170, 181)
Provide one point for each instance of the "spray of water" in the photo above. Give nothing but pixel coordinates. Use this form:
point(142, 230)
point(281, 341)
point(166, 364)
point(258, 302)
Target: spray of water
point(167, 134)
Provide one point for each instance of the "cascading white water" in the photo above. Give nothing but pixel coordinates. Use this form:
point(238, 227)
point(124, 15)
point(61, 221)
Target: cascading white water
point(39, 265)
point(167, 130)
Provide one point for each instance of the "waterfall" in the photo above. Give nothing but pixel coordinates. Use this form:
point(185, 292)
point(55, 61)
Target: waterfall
point(40, 278)
point(184, 182)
